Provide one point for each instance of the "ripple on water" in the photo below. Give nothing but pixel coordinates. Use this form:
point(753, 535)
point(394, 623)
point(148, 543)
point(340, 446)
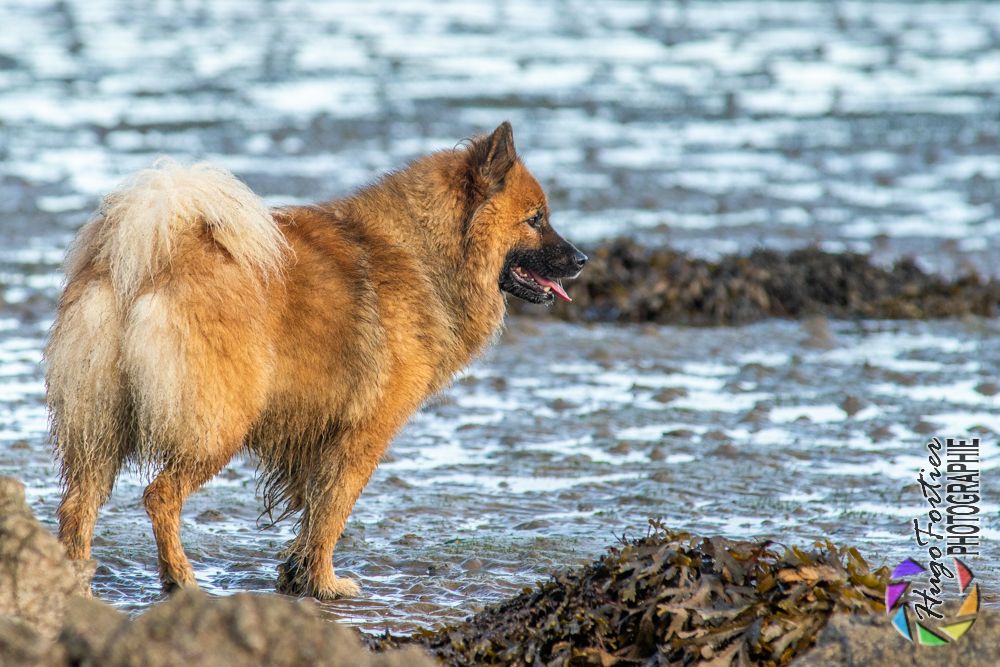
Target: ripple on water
point(519, 495)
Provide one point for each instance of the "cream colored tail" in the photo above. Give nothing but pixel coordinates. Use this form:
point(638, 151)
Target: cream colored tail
point(139, 224)
point(102, 349)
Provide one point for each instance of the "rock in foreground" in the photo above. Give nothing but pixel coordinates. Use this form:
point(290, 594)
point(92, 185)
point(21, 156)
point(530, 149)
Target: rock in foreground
point(36, 579)
point(242, 629)
point(870, 641)
point(47, 618)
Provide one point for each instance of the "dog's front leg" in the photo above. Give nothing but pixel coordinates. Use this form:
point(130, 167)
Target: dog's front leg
point(335, 483)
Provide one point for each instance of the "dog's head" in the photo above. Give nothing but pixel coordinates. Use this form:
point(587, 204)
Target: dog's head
point(509, 214)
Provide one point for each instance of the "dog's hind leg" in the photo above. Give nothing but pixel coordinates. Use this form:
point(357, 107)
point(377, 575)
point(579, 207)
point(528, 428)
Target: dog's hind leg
point(85, 394)
point(199, 363)
point(334, 484)
point(164, 498)
point(88, 485)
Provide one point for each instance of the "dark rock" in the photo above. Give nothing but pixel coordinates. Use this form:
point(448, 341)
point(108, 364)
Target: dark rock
point(36, 580)
point(209, 516)
point(561, 405)
point(757, 415)
point(88, 627)
point(621, 448)
point(193, 630)
point(726, 451)
point(869, 641)
point(880, 432)
point(669, 394)
point(472, 564)
point(852, 405)
point(988, 388)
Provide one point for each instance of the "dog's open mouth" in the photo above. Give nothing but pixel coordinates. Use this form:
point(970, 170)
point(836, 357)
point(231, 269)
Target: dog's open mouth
point(536, 275)
point(538, 283)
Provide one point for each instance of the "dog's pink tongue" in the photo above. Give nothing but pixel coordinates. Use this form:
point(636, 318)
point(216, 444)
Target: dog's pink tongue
point(553, 285)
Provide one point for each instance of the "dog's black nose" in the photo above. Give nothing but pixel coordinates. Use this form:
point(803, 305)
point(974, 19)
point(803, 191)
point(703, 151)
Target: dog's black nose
point(579, 259)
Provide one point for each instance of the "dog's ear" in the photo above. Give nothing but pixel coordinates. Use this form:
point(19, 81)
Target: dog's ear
point(498, 157)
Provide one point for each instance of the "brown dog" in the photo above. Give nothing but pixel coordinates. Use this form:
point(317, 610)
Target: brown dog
point(196, 323)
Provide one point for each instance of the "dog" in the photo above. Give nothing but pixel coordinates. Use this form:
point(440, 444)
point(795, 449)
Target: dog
point(196, 323)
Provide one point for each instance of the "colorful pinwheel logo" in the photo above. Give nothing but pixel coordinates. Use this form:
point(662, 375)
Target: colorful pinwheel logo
point(951, 629)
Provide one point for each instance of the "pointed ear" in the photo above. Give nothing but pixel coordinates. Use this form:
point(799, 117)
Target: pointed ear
point(500, 156)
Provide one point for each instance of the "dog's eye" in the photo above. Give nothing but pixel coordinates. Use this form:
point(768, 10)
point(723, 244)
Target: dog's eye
point(535, 220)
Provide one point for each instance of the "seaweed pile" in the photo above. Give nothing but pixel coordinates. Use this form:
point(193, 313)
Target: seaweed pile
point(670, 599)
point(628, 282)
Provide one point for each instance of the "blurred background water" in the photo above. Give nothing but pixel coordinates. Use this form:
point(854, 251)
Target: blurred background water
point(715, 127)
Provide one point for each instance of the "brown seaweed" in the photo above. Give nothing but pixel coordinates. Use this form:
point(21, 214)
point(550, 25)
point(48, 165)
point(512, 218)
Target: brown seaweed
point(670, 599)
point(626, 281)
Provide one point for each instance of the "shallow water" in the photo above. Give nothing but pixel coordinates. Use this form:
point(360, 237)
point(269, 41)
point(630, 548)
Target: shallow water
point(564, 437)
point(713, 126)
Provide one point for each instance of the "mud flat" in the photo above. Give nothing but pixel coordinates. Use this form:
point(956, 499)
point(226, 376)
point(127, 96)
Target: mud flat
point(567, 434)
point(666, 599)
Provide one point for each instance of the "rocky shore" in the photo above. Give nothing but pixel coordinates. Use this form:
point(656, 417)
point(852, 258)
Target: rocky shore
point(48, 619)
point(666, 599)
point(626, 281)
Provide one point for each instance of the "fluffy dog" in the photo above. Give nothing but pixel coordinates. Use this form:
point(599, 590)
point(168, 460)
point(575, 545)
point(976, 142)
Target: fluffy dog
point(197, 323)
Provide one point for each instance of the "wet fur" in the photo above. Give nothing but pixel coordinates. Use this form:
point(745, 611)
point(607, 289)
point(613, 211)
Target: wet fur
point(196, 323)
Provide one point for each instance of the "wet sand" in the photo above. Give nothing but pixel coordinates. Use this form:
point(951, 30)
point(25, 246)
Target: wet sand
point(565, 436)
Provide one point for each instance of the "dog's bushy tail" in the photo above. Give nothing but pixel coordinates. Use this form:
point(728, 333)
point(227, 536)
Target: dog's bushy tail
point(140, 224)
point(109, 345)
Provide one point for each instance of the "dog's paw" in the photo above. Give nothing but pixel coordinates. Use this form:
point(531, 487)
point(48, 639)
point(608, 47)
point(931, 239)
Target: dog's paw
point(171, 586)
point(173, 579)
point(293, 579)
point(339, 587)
